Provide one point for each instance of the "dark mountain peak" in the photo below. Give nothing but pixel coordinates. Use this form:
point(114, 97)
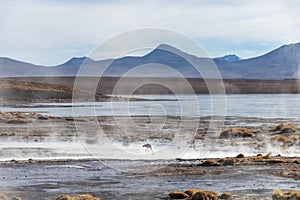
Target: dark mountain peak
point(166, 47)
point(230, 58)
point(78, 60)
point(166, 51)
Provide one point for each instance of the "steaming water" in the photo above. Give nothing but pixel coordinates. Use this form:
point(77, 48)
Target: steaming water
point(250, 105)
point(261, 106)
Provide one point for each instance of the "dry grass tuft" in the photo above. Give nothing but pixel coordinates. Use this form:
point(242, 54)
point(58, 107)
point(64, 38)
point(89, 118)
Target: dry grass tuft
point(267, 156)
point(77, 197)
point(227, 161)
point(20, 118)
point(191, 192)
point(18, 121)
point(3, 197)
point(295, 139)
point(194, 194)
point(296, 161)
point(178, 195)
point(16, 198)
point(211, 163)
point(64, 197)
point(282, 138)
point(201, 194)
point(291, 195)
point(284, 127)
point(85, 197)
point(236, 132)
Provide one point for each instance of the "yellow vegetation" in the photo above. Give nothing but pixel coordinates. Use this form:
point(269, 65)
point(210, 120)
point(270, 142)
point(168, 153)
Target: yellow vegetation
point(291, 195)
point(227, 161)
point(236, 132)
point(286, 127)
point(85, 197)
point(64, 197)
point(77, 197)
point(211, 163)
point(20, 118)
point(282, 138)
point(267, 156)
point(178, 195)
point(16, 198)
point(194, 194)
point(191, 192)
point(207, 195)
point(3, 197)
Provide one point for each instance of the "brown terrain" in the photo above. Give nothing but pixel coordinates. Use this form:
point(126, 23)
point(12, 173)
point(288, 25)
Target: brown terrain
point(106, 85)
point(35, 90)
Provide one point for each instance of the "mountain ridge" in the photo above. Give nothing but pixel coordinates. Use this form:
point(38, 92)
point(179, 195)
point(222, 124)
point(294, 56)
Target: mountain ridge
point(280, 63)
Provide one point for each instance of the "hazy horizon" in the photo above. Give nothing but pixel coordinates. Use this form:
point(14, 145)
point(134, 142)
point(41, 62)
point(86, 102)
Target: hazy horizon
point(51, 32)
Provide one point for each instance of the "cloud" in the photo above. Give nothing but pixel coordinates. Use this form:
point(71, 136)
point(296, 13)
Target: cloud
point(49, 32)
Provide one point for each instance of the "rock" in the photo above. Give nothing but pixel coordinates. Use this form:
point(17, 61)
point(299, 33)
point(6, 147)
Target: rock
point(226, 195)
point(178, 195)
point(240, 156)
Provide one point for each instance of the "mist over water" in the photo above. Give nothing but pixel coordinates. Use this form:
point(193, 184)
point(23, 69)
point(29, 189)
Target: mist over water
point(281, 106)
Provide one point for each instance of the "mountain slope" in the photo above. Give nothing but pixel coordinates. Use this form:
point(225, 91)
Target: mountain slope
point(167, 61)
point(281, 63)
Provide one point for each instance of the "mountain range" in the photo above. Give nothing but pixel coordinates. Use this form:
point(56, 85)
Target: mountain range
point(281, 63)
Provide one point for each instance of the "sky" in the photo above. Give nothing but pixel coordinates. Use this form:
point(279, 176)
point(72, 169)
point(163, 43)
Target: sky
point(51, 32)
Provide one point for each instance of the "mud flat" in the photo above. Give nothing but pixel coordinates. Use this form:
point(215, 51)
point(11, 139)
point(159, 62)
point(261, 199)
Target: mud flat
point(43, 157)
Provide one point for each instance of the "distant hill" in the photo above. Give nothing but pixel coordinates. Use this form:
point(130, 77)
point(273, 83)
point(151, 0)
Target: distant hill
point(230, 58)
point(281, 63)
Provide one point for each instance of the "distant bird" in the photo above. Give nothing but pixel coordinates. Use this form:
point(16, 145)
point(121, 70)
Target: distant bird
point(148, 147)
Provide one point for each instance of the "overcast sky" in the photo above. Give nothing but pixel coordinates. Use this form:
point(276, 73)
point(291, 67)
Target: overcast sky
point(51, 32)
